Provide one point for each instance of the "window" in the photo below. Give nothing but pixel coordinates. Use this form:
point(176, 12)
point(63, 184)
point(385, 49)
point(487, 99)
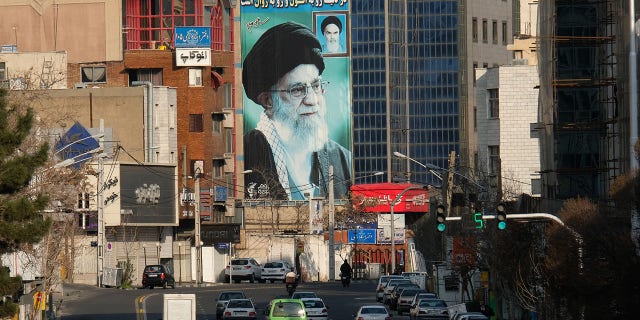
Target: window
point(504, 32)
point(485, 31)
point(228, 140)
point(494, 31)
point(152, 75)
point(95, 74)
point(494, 159)
point(83, 200)
point(475, 118)
point(150, 24)
point(474, 29)
point(195, 122)
point(218, 168)
point(494, 103)
point(195, 77)
point(221, 21)
point(3, 71)
point(475, 66)
point(227, 90)
point(216, 120)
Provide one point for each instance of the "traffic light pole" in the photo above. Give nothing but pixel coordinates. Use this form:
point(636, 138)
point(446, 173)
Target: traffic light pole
point(547, 216)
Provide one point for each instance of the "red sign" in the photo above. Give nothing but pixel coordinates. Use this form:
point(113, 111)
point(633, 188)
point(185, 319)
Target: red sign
point(377, 197)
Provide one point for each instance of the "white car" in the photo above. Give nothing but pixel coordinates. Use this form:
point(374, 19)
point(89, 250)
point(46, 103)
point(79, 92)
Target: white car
point(316, 309)
point(304, 294)
point(276, 270)
point(239, 309)
point(243, 269)
point(372, 312)
point(382, 282)
point(429, 309)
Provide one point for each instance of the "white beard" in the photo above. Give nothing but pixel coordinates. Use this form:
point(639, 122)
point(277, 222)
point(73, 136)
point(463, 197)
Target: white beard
point(300, 132)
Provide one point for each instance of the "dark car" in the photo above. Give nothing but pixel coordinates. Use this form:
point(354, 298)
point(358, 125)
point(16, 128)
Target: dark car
point(157, 275)
point(405, 299)
point(395, 293)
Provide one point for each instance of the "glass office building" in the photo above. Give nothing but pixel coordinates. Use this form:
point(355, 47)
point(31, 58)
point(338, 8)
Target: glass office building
point(406, 97)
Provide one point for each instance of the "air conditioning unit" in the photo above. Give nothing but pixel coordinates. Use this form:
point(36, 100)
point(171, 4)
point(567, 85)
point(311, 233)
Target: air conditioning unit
point(198, 81)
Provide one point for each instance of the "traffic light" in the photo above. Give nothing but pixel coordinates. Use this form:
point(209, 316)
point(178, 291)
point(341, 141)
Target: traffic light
point(441, 217)
point(501, 216)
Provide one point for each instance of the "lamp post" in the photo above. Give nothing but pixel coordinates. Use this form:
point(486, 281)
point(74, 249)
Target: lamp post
point(198, 242)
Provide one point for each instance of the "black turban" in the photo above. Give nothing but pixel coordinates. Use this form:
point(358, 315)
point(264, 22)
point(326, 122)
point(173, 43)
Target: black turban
point(331, 20)
point(278, 51)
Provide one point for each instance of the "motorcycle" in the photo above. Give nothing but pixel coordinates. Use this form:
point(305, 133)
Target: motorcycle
point(291, 288)
point(346, 280)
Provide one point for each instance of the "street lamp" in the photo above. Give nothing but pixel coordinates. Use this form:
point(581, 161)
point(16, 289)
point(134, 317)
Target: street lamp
point(432, 167)
point(144, 250)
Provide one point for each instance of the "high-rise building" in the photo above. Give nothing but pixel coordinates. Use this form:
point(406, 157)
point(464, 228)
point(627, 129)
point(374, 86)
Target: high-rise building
point(413, 79)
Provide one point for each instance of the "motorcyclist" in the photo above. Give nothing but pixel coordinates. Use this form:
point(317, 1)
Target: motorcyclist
point(345, 273)
point(291, 280)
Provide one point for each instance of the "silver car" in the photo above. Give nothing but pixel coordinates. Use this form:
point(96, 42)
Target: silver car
point(429, 309)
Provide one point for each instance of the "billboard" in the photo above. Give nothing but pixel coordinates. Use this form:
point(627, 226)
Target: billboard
point(377, 197)
point(296, 98)
point(148, 194)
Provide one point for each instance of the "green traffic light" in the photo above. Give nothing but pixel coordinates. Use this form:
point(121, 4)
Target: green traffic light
point(441, 227)
point(502, 225)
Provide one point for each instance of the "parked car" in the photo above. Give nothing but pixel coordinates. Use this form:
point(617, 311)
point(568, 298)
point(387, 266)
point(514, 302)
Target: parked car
point(304, 294)
point(243, 269)
point(286, 309)
point(382, 282)
point(391, 284)
point(423, 295)
point(316, 309)
point(429, 309)
point(276, 270)
point(470, 316)
point(395, 293)
point(239, 309)
point(406, 298)
point(223, 299)
point(372, 312)
point(157, 275)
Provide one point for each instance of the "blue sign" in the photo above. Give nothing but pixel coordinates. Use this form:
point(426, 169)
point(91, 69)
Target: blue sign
point(222, 245)
point(364, 236)
point(76, 144)
point(192, 37)
point(220, 194)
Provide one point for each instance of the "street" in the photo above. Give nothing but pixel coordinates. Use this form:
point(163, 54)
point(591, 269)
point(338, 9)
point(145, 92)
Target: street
point(88, 302)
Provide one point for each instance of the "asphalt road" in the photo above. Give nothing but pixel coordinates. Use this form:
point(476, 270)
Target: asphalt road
point(91, 303)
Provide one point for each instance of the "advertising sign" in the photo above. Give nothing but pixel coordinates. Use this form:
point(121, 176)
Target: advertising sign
point(210, 234)
point(295, 56)
point(377, 197)
point(148, 194)
point(192, 37)
point(384, 238)
point(193, 57)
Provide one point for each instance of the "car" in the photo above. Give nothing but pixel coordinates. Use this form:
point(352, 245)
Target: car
point(286, 309)
point(470, 316)
point(372, 312)
point(382, 283)
point(391, 284)
point(223, 299)
point(397, 290)
point(276, 270)
point(239, 309)
point(429, 309)
point(157, 275)
point(243, 269)
point(428, 295)
point(304, 294)
point(316, 309)
point(406, 298)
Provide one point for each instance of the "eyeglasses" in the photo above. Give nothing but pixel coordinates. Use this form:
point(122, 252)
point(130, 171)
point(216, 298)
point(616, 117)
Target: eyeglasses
point(300, 91)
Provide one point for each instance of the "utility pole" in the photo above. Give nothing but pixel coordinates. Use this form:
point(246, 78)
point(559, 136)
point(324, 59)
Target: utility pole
point(100, 209)
point(196, 213)
point(452, 166)
point(332, 212)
